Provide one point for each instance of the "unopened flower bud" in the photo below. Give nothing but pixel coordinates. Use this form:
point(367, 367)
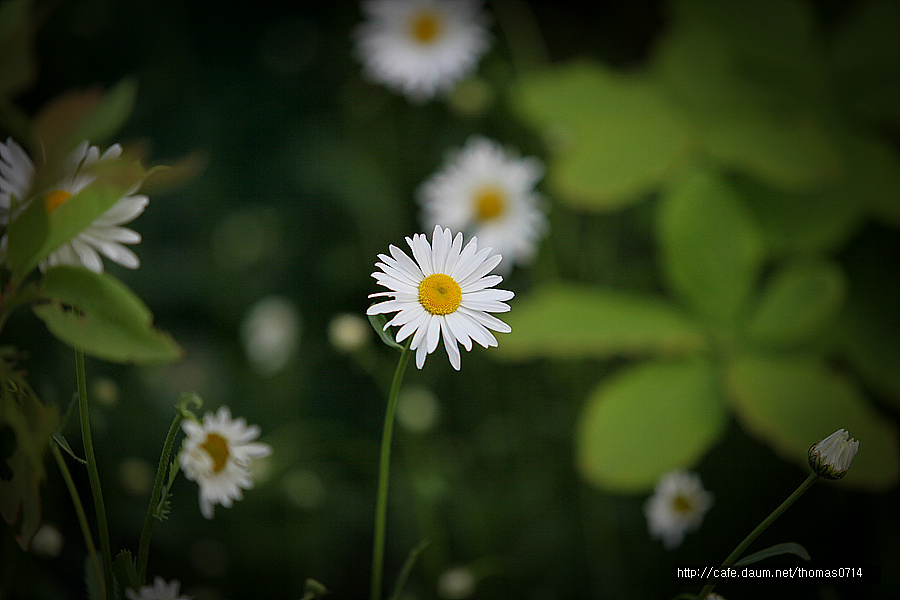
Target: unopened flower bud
point(831, 457)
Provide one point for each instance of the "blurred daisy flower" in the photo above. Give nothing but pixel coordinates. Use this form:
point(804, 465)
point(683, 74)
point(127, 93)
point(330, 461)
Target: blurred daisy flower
point(831, 457)
point(676, 507)
point(488, 192)
point(104, 236)
point(217, 454)
point(160, 590)
point(421, 47)
point(442, 294)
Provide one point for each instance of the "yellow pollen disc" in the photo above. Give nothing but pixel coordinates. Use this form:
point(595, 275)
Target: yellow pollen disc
point(425, 28)
point(55, 199)
point(440, 294)
point(681, 504)
point(490, 203)
point(217, 448)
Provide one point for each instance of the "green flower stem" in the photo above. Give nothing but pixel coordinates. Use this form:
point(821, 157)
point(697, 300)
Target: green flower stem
point(736, 553)
point(150, 518)
point(94, 475)
point(384, 470)
point(79, 510)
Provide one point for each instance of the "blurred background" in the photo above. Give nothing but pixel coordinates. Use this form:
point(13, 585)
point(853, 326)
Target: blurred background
point(294, 172)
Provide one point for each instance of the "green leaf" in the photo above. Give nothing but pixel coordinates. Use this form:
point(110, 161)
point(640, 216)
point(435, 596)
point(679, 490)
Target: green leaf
point(647, 420)
point(791, 402)
point(377, 322)
point(35, 234)
point(612, 136)
point(776, 550)
point(570, 321)
point(33, 424)
point(96, 312)
point(712, 250)
point(126, 571)
point(79, 115)
point(752, 80)
point(804, 223)
point(798, 301)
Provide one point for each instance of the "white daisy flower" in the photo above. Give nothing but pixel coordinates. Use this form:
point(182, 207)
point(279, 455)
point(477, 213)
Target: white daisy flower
point(676, 507)
point(421, 47)
point(160, 590)
point(488, 192)
point(831, 457)
point(442, 294)
point(217, 454)
point(104, 236)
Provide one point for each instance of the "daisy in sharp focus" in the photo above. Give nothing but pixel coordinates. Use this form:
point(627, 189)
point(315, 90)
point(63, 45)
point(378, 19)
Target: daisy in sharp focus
point(488, 192)
point(676, 507)
point(421, 47)
point(443, 294)
point(160, 590)
point(104, 236)
point(217, 454)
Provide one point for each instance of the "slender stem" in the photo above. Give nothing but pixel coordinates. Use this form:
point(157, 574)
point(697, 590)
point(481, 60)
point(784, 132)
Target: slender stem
point(150, 518)
point(94, 475)
point(79, 510)
point(384, 475)
point(736, 553)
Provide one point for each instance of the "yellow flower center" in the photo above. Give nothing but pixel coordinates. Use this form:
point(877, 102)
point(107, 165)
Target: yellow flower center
point(217, 448)
point(681, 504)
point(440, 294)
point(55, 199)
point(425, 27)
point(490, 202)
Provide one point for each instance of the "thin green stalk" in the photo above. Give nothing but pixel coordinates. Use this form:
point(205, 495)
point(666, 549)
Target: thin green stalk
point(79, 510)
point(94, 475)
point(736, 553)
point(150, 518)
point(384, 475)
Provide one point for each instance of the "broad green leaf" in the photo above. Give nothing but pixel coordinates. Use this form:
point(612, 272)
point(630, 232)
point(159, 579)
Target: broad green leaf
point(97, 313)
point(33, 425)
point(76, 116)
point(711, 248)
point(791, 402)
point(570, 321)
point(751, 80)
point(18, 65)
point(797, 302)
point(114, 179)
point(647, 420)
point(776, 550)
point(612, 136)
point(804, 223)
point(125, 571)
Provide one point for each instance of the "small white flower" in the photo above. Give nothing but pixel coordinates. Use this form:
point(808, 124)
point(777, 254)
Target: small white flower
point(444, 293)
point(488, 192)
point(104, 236)
point(676, 507)
point(218, 454)
point(421, 47)
point(160, 590)
point(831, 457)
